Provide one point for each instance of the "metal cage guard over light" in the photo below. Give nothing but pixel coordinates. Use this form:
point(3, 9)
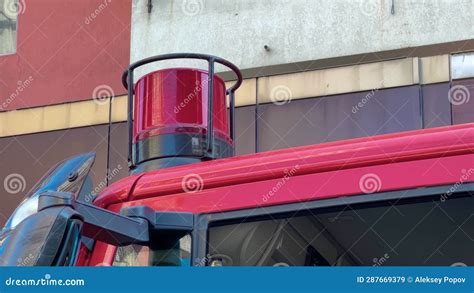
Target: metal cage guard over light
point(128, 82)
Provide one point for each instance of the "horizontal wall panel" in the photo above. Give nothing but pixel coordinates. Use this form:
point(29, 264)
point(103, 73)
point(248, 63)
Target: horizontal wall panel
point(245, 130)
point(29, 157)
point(318, 120)
point(333, 81)
point(434, 69)
point(63, 116)
point(436, 105)
point(462, 101)
point(118, 161)
point(246, 94)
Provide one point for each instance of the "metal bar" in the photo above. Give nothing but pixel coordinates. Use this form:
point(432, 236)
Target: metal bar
point(131, 161)
point(210, 109)
point(112, 228)
point(222, 61)
point(232, 115)
point(108, 142)
point(257, 115)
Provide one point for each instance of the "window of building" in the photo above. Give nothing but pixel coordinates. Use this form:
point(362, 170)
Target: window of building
point(8, 26)
point(462, 65)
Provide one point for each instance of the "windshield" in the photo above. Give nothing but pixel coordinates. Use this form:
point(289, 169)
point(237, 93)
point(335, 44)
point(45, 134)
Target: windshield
point(67, 176)
point(428, 232)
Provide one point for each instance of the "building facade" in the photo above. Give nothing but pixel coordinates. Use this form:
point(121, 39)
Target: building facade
point(315, 71)
point(60, 62)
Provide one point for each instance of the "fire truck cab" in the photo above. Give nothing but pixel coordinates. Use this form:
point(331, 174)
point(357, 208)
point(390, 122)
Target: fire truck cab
point(403, 199)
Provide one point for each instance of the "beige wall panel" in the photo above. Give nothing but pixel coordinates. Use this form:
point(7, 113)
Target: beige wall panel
point(55, 117)
point(22, 121)
point(347, 79)
point(119, 109)
point(246, 94)
point(88, 113)
point(434, 69)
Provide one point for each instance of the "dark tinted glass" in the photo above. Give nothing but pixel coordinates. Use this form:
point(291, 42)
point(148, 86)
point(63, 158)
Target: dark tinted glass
point(429, 232)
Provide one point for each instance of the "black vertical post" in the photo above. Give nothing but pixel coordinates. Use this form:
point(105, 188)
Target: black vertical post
point(232, 115)
point(257, 117)
point(210, 109)
point(131, 161)
point(108, 142)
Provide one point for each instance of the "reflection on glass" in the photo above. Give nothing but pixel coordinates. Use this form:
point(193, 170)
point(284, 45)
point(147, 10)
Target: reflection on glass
point(429, 232)
point(162, 253)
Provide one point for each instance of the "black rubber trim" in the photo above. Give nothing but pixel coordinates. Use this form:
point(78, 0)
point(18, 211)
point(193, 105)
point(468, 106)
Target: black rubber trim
point(180, 145)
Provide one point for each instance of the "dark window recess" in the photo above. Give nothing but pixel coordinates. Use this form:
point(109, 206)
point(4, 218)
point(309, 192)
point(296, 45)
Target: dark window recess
point(9, 10)
point(410, 232)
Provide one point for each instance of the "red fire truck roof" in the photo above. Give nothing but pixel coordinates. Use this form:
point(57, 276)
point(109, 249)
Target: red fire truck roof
point(411, 159)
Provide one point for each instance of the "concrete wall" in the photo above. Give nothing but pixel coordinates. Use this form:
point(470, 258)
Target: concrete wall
point(295, 30)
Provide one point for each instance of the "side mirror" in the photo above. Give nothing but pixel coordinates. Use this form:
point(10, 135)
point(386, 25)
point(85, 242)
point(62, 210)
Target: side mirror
point(52, 236)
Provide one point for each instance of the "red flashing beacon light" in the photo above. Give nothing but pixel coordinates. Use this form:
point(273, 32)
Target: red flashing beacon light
point(180, 115)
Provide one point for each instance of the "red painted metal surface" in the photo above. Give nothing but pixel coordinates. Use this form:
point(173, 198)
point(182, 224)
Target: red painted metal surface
point(102, 255)
point(175, 101)
point(401, 161)
point(67, 50)
point(317, 186)
point(117, 192)
point(403, 152)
